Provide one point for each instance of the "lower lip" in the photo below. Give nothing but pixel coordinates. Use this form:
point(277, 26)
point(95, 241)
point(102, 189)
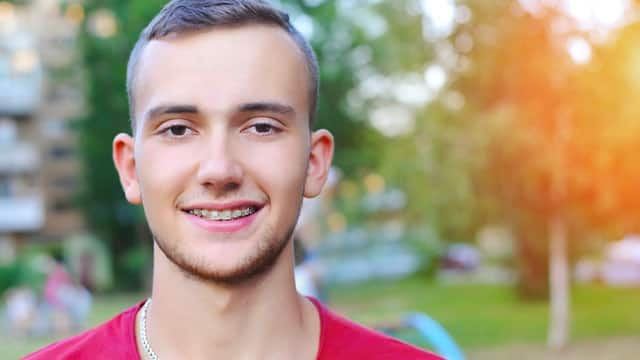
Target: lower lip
point(228, 226)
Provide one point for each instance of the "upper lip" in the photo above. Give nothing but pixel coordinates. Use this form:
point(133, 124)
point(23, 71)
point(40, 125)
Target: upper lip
point(221, 206)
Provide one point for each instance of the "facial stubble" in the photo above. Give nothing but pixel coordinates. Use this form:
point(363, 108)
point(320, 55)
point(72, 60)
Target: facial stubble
point(261, 259)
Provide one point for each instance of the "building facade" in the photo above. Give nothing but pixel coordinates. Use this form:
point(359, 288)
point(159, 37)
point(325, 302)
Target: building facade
point(40, 96)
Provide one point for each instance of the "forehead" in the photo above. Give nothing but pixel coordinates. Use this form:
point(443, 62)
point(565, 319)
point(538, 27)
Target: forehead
point(220, 68)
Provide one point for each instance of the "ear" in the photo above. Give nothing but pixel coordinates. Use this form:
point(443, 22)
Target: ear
point(124, 159)
point(320, 156)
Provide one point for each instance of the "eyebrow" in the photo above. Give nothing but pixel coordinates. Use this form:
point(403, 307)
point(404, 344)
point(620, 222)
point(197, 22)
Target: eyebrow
point(171, 109)
point(270, 107)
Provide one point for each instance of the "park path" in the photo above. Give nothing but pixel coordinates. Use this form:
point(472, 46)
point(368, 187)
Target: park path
point(619, 348)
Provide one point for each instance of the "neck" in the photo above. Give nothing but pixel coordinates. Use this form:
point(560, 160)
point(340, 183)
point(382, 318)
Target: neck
point(263, 317)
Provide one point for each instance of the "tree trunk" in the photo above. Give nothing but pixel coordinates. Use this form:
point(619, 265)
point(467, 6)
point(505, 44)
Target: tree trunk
point(559, 285)
point(532, 264)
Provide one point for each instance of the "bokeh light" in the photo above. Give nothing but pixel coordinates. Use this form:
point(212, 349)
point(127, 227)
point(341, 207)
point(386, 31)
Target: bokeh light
point(103, 23)
point(374, 183)
point(25, 61)
point(75, 13)
point(579, 49)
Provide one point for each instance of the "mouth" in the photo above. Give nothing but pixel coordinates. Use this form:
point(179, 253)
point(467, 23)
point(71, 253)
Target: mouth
point(224, 215)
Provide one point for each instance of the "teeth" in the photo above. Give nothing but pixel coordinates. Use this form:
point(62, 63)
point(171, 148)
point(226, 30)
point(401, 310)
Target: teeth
point(224, 215)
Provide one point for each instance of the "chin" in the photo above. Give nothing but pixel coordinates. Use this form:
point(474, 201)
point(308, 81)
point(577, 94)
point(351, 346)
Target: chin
point(253, 263)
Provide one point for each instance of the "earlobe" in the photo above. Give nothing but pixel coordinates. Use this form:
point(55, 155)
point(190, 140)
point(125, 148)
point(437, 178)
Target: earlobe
point(320, 157)
point(124, 160)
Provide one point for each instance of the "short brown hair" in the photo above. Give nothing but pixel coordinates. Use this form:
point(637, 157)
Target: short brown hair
point(184, 16)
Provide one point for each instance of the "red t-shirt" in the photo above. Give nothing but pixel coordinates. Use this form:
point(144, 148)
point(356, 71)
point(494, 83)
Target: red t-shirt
point(339, 339)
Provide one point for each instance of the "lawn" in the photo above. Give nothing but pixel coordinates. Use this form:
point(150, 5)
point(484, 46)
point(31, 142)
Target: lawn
point(486, 316)
point(478, 316)
point(104, 308)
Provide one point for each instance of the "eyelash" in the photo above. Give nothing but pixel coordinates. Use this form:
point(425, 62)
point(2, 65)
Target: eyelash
point(272, 129)
point(167, 131)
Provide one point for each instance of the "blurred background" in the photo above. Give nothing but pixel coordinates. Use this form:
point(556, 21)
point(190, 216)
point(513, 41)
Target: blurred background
point(483, 203)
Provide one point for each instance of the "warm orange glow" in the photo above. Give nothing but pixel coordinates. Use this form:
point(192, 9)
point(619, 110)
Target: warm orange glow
point(75, 13)
point(7, 13)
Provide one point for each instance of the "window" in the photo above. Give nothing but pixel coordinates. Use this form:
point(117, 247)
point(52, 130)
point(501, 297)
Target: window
point(53, 128)
point(63, 205)
point(61, 152)
point(5, 187)
point(65, 182)
point(8, 131)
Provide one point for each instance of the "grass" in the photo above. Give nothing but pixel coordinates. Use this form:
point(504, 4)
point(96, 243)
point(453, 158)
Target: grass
point(104, 308)
point(477, 316)
point(486, 316)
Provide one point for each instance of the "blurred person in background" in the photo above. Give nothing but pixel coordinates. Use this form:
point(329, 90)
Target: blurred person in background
point(222, 99)
point(46, 300)
point(68, 302)
point(20, 311)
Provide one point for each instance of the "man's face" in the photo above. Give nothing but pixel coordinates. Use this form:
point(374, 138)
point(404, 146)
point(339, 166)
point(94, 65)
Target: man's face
point(222, 153)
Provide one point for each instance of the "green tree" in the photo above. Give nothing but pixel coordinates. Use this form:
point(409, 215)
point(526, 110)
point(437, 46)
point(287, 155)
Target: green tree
point(553, 131)
point(105, 55)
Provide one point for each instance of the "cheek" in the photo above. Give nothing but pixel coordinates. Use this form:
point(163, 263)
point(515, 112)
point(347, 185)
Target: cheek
point(280, 169)
point(162, 173)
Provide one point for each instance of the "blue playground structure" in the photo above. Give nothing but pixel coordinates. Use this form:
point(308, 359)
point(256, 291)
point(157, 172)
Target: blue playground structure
point(419, 328)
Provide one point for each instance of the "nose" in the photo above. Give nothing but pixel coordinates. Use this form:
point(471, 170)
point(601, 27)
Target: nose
point(219, 169)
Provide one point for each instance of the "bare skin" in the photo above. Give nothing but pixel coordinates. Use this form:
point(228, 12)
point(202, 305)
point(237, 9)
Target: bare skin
point(222, 124)
point(235, 324)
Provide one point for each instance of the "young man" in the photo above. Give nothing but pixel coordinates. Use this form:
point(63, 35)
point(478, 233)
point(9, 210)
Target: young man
point(222, 96)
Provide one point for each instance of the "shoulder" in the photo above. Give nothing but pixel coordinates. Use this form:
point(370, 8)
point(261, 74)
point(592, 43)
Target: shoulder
point(113, 339)
point(341, 338)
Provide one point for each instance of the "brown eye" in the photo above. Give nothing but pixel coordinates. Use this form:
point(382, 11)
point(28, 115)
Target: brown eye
point(263, 128)
point(178, 130)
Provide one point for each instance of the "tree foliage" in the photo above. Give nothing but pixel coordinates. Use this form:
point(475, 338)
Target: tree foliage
point(110, 216)
point(514, 114)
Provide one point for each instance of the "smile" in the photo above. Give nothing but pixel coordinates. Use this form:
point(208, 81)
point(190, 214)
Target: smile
point(224, 215)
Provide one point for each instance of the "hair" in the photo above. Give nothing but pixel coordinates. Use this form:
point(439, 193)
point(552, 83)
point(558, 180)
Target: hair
point(185, 16)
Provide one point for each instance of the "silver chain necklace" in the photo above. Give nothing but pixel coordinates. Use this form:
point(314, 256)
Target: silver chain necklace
point(143, 332)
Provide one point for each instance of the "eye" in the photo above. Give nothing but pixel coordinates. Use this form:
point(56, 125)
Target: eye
point(264, 128)
point(176, 131)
